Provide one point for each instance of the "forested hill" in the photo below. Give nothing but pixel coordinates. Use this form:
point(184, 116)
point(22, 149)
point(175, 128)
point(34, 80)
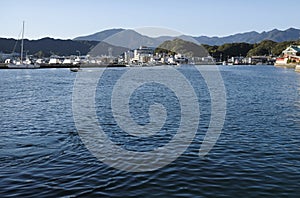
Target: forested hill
point(47, 46)
point(182, 47)
point(228, 50)
point(263, 48)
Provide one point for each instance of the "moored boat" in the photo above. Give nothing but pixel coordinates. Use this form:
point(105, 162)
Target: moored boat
point(23, 64)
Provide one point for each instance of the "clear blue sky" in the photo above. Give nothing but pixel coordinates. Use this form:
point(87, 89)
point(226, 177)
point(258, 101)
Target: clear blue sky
point(72, 18)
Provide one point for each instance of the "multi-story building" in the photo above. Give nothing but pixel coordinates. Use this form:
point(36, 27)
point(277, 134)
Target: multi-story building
point(143, 54)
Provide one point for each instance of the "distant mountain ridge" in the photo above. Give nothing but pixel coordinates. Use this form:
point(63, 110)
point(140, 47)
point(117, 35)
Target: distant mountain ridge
point(247, 37)
point(116, 41)
point(124, 38)
point(47, 46)
point(252, 37)
point(99, 36)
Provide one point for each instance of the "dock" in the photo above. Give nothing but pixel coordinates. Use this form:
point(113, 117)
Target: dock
point(49, 66)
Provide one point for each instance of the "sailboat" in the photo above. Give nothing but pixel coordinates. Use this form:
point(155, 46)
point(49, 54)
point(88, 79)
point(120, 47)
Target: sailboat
point(23, 64)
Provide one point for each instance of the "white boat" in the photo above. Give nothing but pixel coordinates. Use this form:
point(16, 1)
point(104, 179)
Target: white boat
point(21, 64)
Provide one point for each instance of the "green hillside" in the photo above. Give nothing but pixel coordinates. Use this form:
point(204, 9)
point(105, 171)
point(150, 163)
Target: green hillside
point(47, 46)
point(180, 46)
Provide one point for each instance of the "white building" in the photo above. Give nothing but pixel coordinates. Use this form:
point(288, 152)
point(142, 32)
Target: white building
point(143, 55)
point(54, 60)
point(292, 50)
point(128, 56)
point(290, 55)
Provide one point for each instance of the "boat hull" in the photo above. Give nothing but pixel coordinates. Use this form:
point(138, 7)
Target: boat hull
point(75, 69)
point(23, 66)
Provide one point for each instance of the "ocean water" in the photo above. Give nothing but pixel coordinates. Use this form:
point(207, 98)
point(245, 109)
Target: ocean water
point(257, 153)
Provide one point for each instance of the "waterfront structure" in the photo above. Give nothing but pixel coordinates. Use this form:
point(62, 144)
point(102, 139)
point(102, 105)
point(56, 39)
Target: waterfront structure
point(281, 61)
point(292, 50)
point(180, 59)
point(128, 55)
point(142, 55)
point(291, 55)
point(55, 60)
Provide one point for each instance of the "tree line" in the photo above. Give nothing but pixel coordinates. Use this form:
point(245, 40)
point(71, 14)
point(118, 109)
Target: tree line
point(47, 46)
point(264, 48)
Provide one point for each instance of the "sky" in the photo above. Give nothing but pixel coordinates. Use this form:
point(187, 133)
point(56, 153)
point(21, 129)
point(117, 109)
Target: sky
point(67, 19)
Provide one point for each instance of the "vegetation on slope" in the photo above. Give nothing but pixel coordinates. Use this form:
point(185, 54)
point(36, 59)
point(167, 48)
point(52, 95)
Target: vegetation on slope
point(47, 46)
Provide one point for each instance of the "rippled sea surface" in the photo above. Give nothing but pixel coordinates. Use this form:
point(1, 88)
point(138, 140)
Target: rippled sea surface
point(257, 153)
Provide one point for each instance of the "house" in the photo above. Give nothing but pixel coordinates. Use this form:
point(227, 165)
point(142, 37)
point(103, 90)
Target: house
point(292, 50)
point(290, 55)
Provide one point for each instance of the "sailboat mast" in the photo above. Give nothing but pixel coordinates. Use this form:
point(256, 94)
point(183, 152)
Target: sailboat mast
point(22, 42)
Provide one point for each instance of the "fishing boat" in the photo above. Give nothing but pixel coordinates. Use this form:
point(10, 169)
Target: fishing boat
point(75, 69)
point(23, 64)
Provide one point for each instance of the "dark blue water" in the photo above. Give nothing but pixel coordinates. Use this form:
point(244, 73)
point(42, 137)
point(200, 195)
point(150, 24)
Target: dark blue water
point(257, 154)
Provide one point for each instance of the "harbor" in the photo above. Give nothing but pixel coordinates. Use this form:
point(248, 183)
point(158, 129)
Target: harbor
point(151, 56)
point(149, 99)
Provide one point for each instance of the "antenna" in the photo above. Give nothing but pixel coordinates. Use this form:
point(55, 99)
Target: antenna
point(22, 43)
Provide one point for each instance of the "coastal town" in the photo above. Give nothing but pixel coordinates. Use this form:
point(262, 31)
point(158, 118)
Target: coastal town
point(148, 56)
point(147, 99)
point(171, 51)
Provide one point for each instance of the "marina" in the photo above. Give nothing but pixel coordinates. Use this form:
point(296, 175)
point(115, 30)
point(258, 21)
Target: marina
point(160, 99)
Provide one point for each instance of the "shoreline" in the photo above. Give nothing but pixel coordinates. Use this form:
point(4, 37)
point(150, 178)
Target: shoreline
point(64, 66)
point(289, 66)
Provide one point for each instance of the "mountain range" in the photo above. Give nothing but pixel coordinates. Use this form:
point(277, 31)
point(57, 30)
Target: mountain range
point(247, 37)
point(253, 37)
point(116, 41)
point(47, 46)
